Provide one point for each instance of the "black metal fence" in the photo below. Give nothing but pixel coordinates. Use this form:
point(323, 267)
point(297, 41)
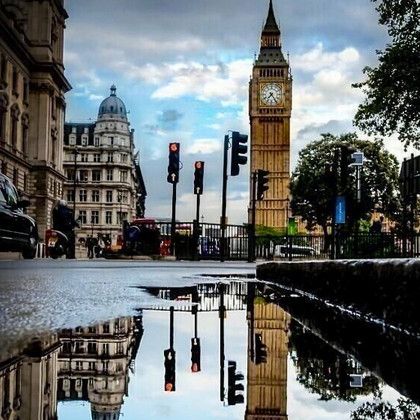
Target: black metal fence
point(205, 244)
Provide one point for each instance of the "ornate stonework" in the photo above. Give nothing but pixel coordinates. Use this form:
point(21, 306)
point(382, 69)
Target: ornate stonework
point(270, 105)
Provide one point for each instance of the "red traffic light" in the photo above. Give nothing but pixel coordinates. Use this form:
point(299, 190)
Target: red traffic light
point(173, 147)
point(198, 165)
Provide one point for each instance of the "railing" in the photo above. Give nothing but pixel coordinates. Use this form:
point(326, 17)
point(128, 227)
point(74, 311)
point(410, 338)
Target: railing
point(205, 244)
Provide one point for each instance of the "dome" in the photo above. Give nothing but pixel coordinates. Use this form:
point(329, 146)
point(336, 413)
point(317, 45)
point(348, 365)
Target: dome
point(112, 106)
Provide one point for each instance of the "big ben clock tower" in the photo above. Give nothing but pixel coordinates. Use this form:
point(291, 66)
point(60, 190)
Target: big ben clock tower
point(270, 106)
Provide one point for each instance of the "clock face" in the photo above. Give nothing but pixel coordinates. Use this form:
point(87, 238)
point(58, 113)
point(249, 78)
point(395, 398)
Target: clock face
point(271, 94)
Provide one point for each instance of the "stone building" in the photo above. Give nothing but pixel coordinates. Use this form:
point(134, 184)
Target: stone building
point(94, 363)
point(28, 381)
point(270, 107)
point(32, 88)
point(104, 180)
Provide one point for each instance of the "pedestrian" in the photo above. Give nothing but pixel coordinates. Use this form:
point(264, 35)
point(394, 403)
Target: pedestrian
point(63, 221)
point(89, 244)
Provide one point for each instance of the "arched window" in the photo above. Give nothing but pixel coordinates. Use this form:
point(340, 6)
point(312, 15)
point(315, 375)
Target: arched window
point(4, 102)
point(14, 115)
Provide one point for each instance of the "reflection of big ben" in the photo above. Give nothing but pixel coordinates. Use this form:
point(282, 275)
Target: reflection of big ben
point(268, 326)
point(270, 105)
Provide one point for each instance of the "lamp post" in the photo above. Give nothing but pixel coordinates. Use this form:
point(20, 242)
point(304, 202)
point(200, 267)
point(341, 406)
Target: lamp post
point(76, 152)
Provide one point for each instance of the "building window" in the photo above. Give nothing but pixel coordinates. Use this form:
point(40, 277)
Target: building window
point(121, 216)
point(111, 141)
point(84, 140)
point(70, 196)
point(84, 157)
point(109, 175)
point(96, 157)
point(108, 217)
point(82, 217)
point(123, 176)
point(96, 143)
point(110, 157)
point(25, 134)
point(106, 328)
point(15, 82)
point(73, 129)
point(96, 176)
point(83, 195)
point(84, 176)
point(95, 196)
point(72, 138)
point(109, 196)
point(3, 68)
point(94, 217)
point(70, 174)
point(79, 365)
point(124, 158)
point(25, 91)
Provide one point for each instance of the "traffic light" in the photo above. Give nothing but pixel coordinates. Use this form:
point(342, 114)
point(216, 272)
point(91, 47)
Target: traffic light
point(233, 386)
point(173, 167)
point(169, 355)
point(262, 183)
point(239, 150)
point(198, 177)
point(195, 355)
point(260, 350)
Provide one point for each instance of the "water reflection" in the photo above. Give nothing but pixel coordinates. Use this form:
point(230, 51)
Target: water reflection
point(268, 362)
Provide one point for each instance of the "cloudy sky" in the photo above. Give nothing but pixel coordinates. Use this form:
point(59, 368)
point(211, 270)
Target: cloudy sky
point(182, 69)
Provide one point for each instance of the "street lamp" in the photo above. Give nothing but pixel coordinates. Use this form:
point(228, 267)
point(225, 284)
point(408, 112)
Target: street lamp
point(76, 152)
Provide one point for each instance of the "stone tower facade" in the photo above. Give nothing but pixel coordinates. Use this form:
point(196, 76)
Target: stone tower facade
point(32, 105)
point(270, 106)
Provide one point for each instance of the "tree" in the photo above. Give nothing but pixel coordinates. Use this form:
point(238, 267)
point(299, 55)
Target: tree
point(316, 181)
point(392, 103)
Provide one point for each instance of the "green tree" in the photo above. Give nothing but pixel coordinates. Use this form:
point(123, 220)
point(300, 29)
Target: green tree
point(312, 188)
point(405, 409)
point(392, 103)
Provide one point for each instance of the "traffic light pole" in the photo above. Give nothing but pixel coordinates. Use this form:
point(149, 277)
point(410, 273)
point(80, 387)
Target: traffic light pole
point(173, 219)
point(197, 229)
point(222, 340)
point(224, 190)
point(171, 327)
point(251, 237)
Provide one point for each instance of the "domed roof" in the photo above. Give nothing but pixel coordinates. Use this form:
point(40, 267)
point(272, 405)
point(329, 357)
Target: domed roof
point(112, 106)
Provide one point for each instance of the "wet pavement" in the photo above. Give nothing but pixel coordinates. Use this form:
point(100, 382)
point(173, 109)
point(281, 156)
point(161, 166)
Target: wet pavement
point(190, 340)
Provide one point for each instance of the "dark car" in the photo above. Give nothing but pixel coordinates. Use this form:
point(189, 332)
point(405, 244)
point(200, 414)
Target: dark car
point(18, 231)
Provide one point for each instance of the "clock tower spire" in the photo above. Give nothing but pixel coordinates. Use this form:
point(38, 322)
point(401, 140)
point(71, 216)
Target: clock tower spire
point(270, 106)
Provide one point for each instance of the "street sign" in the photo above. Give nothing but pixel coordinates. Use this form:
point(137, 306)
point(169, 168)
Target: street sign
point(340, 210)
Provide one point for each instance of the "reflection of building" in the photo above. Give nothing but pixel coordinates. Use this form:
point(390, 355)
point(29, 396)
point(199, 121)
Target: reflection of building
point(110, 185)
point(270, 105)
point(32, 88)
point(28, 382)
point(267, 380)
point(94, 363)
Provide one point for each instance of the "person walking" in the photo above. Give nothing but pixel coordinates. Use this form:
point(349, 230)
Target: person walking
point(64, 221)
point(89, 245)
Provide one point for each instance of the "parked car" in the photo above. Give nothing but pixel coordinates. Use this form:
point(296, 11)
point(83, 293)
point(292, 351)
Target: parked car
point(18, 231)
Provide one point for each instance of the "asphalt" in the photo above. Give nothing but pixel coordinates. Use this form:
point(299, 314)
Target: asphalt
point(45, 295)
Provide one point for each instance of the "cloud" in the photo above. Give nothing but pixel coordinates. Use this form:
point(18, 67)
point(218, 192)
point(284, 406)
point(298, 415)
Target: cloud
point(169, 119)
point(224, 82)
point(204, 146)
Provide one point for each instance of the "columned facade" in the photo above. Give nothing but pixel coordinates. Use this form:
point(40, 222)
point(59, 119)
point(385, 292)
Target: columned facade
point(32, 106)
point(270, 105)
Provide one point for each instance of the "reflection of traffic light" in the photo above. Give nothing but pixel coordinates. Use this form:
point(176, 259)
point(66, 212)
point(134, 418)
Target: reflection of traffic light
point(239, 150)
point(169, 355)
point(260, 350)
point(173, 167)
point(262, 183)
point(198, 177)
point(233, 386)
point(195, 355)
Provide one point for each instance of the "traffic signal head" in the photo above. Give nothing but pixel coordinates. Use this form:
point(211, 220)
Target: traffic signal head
point(262, 183)
point(173, 167)
point(260, 350)
point(198, 177)
point(233, 385)
point(239, 150)
point(169, 355)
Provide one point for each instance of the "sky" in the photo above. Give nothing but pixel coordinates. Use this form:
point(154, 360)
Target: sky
point(182, 69)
